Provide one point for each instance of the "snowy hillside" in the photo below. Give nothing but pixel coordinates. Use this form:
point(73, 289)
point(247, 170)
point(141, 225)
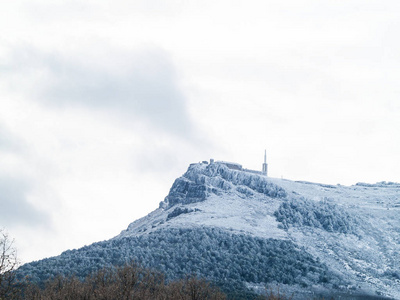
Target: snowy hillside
point(237, 227)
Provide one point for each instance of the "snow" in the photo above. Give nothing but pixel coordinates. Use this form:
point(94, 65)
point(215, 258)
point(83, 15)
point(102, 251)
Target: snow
point(364, 259)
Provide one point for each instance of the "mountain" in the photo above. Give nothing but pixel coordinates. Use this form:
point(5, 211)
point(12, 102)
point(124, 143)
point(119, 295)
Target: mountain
point(246, 231)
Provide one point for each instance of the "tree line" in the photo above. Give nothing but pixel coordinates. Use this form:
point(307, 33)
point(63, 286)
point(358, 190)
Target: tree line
point(130, 281)
point(126, 282)
point(226, 258)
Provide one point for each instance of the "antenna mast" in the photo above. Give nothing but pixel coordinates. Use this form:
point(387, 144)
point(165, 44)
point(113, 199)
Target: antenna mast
point(265, 165)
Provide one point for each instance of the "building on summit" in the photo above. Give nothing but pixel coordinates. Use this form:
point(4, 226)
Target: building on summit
point(239, 167)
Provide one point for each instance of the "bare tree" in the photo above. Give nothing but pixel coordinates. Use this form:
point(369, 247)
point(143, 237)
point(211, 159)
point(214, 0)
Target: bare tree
point(8, 265)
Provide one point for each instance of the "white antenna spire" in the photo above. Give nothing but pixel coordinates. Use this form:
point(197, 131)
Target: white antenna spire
point(265, 165)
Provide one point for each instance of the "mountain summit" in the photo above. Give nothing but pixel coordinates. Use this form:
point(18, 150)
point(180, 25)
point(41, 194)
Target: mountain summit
point(246, 231)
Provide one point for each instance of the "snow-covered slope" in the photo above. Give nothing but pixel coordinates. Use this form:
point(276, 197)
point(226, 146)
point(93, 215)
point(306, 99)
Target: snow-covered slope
point(345, 240)
point(215, 196)
point(367, 256)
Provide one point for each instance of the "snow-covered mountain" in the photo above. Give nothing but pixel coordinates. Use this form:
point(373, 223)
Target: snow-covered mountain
point(245, 230)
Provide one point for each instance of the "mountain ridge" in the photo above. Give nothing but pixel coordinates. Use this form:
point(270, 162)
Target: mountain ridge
point(345, 239)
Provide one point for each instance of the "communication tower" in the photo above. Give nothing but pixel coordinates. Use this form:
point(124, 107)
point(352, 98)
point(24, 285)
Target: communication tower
point(265, 165)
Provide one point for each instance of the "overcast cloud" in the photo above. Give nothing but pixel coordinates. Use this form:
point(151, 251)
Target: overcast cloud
point(15, 207)
point(140, 85)
point(104, 103)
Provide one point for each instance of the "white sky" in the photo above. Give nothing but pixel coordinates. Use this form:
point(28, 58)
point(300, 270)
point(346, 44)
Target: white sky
point(104, 103)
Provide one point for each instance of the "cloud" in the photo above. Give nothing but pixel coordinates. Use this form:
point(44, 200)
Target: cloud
point(141, 86)
point(8, 142)
point(16, 210)
point(15, 187)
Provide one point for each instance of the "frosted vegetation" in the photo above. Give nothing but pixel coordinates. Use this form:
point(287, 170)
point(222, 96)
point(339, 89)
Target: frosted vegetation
point(302, 212)
point(227, 259)
point(178, 211)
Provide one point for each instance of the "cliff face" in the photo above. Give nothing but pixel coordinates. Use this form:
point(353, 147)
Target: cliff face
point(202, 180)
point(247, 230)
